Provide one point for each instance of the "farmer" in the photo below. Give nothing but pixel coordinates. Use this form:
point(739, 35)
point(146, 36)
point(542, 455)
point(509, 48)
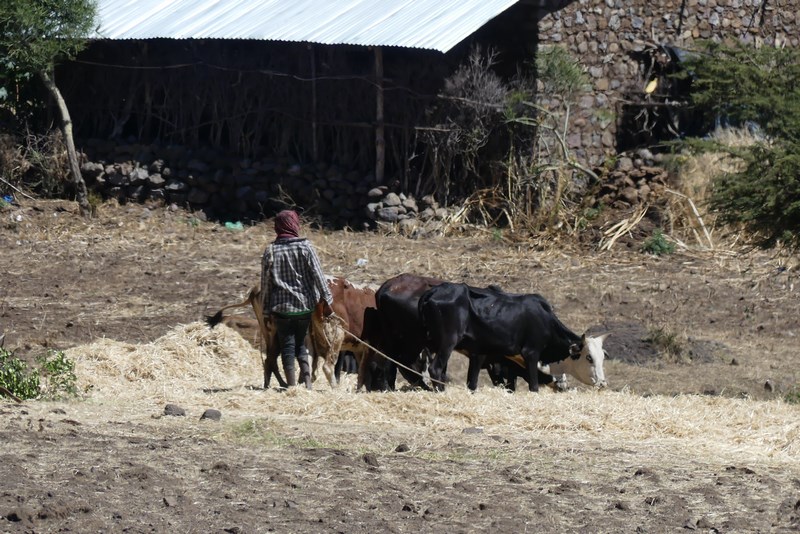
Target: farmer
point(293, 283)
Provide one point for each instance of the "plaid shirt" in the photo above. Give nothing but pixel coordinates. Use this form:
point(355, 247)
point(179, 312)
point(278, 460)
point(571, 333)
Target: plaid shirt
point(292, 280)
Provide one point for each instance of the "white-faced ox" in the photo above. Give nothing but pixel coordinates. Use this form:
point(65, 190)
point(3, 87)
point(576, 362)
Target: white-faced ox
point(490, 325)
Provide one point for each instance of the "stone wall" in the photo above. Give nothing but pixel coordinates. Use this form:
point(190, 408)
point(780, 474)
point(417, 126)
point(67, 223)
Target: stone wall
point(608, 37)
point(220, 186)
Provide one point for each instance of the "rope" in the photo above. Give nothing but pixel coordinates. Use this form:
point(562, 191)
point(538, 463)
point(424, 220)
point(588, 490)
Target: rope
point(341, 325)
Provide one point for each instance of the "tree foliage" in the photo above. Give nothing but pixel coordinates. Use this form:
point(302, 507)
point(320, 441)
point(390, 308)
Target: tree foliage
point(742, 85)
point(35, 34)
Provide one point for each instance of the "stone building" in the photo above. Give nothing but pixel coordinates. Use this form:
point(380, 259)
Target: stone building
point(626, 44)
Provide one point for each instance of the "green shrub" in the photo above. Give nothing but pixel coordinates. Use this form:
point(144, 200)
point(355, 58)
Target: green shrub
point(793, 396)
point(58, 373)
point(53, 378)
point(668, 343)
point(16, 377)
point(757, 88)
point(658, 244)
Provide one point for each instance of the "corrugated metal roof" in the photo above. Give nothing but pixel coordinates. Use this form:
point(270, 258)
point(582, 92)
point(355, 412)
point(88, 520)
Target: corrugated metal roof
point(431, 24)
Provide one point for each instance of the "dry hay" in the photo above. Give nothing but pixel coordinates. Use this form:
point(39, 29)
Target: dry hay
point(196, 367)
point(168, 368)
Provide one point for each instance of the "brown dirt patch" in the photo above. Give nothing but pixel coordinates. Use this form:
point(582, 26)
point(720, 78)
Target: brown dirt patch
point(684, 440)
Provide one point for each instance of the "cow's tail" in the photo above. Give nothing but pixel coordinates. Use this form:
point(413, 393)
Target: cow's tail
point(214, 320)
point(252, 295)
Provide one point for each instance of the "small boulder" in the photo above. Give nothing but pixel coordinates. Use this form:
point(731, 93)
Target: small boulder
point(212, 414)
point(174, 409)
point(370, 459)
point(392, 200)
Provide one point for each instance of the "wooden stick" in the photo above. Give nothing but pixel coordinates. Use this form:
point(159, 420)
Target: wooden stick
point(17, 190)
point(622, 227)
point(7, 393)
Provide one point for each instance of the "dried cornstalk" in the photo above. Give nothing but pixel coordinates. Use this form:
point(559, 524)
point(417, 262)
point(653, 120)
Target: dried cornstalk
point(621, 228)
point(697, 215)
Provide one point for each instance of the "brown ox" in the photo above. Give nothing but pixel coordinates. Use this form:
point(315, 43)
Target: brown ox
point(327, 338)
point(265, 327)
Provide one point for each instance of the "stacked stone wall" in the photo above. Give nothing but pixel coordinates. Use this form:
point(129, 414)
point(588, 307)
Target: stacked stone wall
point(605, 36)
point(222, 186)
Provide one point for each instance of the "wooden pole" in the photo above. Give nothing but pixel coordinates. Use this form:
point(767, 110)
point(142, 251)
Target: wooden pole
point(314, 148)
point(380, 141)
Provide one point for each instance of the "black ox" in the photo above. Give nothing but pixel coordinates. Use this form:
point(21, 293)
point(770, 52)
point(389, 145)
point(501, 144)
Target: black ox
point(489, 325)
point(395, 329)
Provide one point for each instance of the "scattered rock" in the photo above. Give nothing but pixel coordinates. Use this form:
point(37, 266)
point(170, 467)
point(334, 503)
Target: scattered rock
point(704, 523)
point(392, 200)
point(653, 500)
point(22, 515)
point(624, 164)
point(473, 430)
point(370, 459)
point(214, 415)
point(174, 409)
point(402, 448)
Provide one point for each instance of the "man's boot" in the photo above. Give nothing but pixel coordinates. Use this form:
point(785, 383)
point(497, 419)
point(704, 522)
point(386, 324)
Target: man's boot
point(305, 370)
point(288, 369)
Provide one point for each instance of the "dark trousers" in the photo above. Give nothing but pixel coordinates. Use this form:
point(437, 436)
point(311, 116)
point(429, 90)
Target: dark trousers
point(292, 330)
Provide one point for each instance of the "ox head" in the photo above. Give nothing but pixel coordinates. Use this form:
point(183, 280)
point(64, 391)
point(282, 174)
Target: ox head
point(586, 360)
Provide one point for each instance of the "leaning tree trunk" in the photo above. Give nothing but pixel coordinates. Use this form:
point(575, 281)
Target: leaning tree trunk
point(81, 194)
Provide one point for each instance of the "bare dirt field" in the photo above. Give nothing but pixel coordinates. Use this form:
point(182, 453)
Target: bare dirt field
point(696, 439)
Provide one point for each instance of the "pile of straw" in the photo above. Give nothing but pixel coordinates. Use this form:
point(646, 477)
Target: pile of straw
point(198, 367)
point(187, 358)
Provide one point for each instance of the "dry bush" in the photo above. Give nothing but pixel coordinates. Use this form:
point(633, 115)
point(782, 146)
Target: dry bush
point(695, 174)
point(36, 163)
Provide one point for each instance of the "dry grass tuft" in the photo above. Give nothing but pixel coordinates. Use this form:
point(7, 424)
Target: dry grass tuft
point(698, 171)
point(695, 173)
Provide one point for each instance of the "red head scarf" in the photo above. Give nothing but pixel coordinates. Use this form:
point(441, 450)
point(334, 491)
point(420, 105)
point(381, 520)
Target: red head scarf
point(287, 224)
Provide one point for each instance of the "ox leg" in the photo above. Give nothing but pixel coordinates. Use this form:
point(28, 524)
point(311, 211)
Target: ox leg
point(363, 367)
point(438, 368)
point(532, 364)
point(512, 372)
point(474, 370)
point(271, 364)
point(337, 369)
point(271, 368)
point(417, 363)
point(329, 369)
point(389, 382)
